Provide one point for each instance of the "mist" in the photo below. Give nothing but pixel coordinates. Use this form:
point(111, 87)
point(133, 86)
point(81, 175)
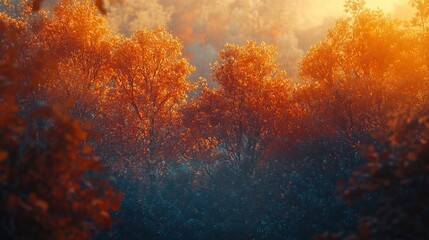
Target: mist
point(206, 26)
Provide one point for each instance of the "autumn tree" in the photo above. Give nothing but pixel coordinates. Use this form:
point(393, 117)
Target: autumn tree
point(364, 69)
point(396, 175)
point(149, 89)
point(242, 115)
point(49, 179)
point(421, 21)
point(51, 182)
point(76, 46)
point(14, 37)
point(72, 47)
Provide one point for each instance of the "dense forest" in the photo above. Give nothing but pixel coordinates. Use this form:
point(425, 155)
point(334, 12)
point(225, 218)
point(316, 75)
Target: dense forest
point(104, 136)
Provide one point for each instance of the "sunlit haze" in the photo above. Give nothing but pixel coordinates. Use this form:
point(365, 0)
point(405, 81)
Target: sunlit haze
point(205, 26)
point(214, 119)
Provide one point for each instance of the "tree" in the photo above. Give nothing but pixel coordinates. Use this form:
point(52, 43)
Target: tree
point(72, 46)
point(79, 45)
point(49, 181)
point(421, 20)
point(396, 176)
point(242, 116)
point(393, 177)
point(149, 89)
point(364, 69)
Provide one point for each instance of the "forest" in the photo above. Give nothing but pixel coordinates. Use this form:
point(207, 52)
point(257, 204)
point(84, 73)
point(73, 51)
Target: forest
point(105, 136)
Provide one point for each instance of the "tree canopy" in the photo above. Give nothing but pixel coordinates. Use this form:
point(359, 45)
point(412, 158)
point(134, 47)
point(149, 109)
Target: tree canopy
point(86, 110)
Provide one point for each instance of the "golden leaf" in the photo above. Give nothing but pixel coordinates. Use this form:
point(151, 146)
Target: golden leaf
point(42, 205)
point(3, 155)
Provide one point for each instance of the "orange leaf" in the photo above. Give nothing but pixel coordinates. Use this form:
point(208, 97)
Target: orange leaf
point(3, 155)
point(411, 156)
point(42, 205)
point(87, 149)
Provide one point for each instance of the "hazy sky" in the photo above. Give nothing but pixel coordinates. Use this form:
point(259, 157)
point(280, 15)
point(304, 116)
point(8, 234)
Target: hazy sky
point(205, 26)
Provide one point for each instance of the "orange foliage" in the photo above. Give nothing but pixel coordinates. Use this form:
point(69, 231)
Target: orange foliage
point(400, 171)
point(365, 68)
point(48, 180)
point(149, 90)
point(243, 115)
point(77, 45)
point(135, 91)
point(71, 47)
